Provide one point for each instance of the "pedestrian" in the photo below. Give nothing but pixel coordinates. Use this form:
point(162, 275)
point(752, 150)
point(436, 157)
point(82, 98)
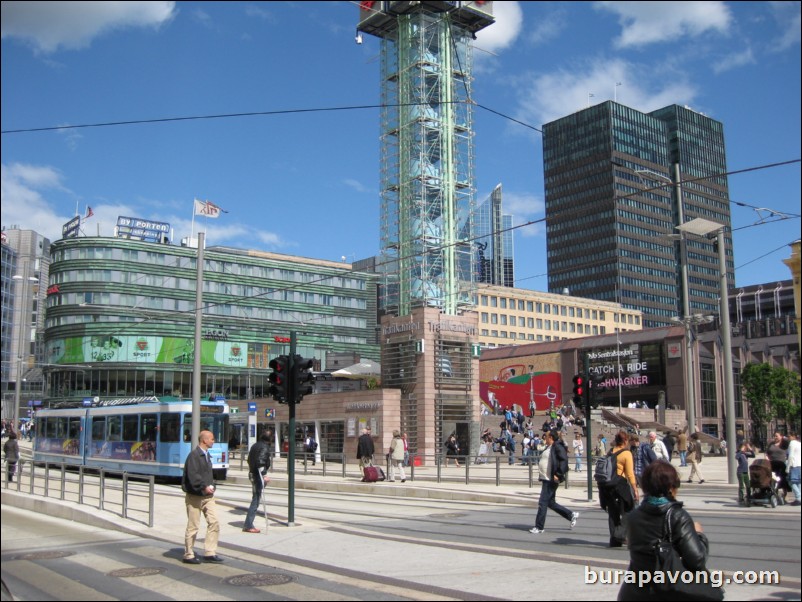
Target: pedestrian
point(601, 446)
point(621, 495)
point(258, 465)
point(695, 458)
point(452, 449)
point(661, 517)
point(794, 463)
point(11, 450)
point(552, 469)
point(777, 453)
point(682, 448)
point(658, 447)
point(310, 446)
point(397, 457)
point(365, 450)
point(744, 487)
point(579, 449)
point(642, 455)
point(198, 483)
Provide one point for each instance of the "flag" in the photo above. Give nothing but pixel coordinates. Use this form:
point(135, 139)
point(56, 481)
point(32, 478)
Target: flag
point(89, 212)
point(208, 209)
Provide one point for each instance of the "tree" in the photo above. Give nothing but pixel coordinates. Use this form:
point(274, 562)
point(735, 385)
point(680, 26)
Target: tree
point(771, 392)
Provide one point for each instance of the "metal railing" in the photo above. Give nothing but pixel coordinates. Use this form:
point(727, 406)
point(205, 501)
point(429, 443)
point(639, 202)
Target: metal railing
point(495, 468)
point(126, 494)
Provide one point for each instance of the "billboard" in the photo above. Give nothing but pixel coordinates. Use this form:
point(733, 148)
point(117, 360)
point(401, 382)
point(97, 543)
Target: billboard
point(145, 349)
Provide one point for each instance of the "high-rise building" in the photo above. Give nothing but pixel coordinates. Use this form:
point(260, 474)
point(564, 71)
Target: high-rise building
point(613, 176)
point(26, 261)
point(492, 239)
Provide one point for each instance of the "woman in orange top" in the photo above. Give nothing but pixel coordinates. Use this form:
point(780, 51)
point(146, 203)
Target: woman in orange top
point(622, 495)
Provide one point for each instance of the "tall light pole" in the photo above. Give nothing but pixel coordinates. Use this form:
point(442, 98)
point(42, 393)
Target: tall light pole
point(703, 227)
point(23, 340)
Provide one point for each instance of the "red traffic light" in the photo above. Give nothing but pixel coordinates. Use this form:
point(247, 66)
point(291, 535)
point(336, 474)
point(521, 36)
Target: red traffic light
point(579, 385)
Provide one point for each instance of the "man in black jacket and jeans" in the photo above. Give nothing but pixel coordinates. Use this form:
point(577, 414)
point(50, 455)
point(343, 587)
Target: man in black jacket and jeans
point(258, 465)
point(553, 467)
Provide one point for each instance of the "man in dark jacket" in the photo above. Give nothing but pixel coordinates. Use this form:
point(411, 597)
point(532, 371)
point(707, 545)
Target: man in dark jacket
point(258, 465)
point(198, 484)
point(365, 450)
point(553, 467)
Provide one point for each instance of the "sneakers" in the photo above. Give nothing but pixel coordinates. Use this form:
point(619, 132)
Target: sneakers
point(702, 481)
point(536, 531)
point(574, 516)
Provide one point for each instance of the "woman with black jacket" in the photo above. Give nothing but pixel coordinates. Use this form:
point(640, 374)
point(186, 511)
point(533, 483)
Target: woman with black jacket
point(647, 526)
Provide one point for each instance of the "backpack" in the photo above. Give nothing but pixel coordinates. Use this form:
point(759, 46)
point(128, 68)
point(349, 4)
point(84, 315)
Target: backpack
point(312, 445)
point(606, 473)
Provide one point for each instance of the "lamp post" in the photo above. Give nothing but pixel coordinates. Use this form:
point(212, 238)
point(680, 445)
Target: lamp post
point(703, 227)
point(689, 322)
point(23, 340)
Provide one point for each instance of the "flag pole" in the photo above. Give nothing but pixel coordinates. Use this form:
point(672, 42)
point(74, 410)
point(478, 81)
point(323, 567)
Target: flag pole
point(192, 231)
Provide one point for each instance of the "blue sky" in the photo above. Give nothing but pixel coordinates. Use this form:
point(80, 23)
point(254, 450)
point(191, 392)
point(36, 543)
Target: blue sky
point(308, 183)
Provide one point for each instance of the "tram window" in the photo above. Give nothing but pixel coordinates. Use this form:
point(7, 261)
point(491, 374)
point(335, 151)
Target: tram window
point(188, 428)
point(130, 428)
point(113, 428)
point(147, 427)
point(61, 428)
point(74, 430)
point(98, 429)
point(169, 429)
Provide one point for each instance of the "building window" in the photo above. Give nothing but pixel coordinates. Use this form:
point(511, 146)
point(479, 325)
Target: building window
point(708, 382)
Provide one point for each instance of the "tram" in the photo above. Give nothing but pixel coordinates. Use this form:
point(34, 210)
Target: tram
point(143, 435)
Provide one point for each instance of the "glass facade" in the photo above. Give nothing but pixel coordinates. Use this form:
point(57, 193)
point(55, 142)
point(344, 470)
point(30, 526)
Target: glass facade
point(492, 239)
point(610, 207)
point(120, 317)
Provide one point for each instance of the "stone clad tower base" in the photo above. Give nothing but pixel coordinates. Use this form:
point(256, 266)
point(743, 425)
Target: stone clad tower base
point(433, 358)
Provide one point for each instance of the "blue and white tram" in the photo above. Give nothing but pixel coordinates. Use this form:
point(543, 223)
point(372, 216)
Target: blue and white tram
point(144, 435)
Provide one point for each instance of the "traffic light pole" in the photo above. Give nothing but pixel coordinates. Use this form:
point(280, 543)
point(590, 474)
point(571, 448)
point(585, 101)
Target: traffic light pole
point(291, 400)
point(588, 424)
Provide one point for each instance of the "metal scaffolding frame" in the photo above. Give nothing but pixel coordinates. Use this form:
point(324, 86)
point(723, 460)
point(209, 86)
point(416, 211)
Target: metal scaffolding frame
point(426, 165)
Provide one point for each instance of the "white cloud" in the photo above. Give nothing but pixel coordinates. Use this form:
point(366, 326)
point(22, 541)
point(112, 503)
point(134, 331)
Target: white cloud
point(548, 96)
point(548, 27)
point(49, 26)
point(501, 35)
point(524, 207)
point(735, 60)
point(22, 189)
point(787, 15)
point(356, 185)
point(650, 22)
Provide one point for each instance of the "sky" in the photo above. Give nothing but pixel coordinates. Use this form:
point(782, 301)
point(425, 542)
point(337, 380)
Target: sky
point(302, 180)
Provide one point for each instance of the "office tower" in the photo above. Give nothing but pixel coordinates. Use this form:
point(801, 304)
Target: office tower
point(611, 207)
point(492, 239)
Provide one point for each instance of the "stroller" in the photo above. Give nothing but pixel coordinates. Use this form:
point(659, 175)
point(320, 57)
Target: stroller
point(763, 484)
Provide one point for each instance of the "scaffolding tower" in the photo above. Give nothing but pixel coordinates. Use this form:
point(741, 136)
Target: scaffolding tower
point(427, 179)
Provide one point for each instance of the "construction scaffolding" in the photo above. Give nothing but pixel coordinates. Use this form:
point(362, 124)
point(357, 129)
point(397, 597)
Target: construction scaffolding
point(426, 164)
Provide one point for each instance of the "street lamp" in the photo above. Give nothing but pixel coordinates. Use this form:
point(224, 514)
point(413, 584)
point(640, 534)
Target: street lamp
point(690, 322)
point(703, 227)
point(24, 327)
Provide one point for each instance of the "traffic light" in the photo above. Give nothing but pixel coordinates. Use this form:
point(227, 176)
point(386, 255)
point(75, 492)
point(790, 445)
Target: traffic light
point(302, 378)
point(280, 379)
point(579, 390)
point(595, 387)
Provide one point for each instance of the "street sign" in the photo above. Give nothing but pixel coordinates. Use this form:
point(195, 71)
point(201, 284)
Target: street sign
point(251, 406)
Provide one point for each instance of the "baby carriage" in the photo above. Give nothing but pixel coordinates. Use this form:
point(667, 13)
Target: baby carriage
point(763, 484)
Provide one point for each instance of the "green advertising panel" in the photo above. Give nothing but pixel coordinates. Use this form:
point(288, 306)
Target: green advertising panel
point(145, 349)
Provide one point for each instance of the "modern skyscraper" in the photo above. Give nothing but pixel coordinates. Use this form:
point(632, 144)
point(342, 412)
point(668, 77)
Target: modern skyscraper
point(492, 239)
point(612, 177)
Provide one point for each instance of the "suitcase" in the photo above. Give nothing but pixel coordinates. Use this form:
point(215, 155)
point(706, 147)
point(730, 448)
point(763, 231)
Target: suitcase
point(373, 474)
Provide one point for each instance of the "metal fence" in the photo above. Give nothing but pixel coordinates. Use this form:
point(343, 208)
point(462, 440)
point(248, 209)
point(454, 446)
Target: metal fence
point(128, 495)
point(497, 469)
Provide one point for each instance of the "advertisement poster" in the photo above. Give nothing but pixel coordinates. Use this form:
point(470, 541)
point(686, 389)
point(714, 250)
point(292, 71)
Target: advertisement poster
point(145, 349)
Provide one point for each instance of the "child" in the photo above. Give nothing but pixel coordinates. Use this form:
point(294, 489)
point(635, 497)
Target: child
point(744, 451)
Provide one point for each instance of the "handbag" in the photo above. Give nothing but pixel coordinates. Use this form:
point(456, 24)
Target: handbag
point(669, 563)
